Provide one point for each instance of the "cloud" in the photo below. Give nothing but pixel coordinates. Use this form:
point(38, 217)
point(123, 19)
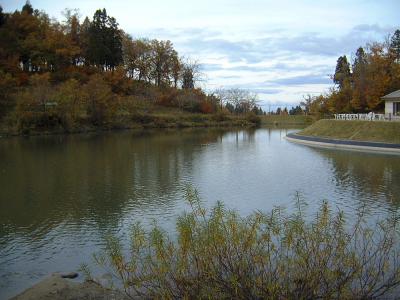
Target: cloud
point(373, 28)
point(268, 91)
point(302, 80)
point(273, 61)
point(231, 76)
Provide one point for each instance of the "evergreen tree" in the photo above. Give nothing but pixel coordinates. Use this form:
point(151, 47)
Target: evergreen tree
point(113, 42)
point(27, 8)
point(395, 45)
point(296, 110)
point(2, 16)
point(104, 47)
point(360, 66)
point(342, 72)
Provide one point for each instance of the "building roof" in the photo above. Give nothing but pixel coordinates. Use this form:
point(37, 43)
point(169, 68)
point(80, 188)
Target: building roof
point(393, 95)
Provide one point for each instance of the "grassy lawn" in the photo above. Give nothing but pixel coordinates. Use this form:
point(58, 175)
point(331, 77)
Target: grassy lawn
point(377, 131)
point(286, 120)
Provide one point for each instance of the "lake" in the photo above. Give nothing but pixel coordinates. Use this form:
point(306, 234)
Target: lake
point(60, 195)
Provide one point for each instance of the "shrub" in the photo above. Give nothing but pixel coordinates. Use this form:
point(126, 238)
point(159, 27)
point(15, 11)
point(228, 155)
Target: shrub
point(101, 101)
point(7, 87)
point(206, 107)
point(253, 118)
point(168, 97)
point(70, 103)
point(142, 118)
point(219, 255)
point(220, 116)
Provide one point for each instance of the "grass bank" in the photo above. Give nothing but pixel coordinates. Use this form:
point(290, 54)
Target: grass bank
point(387, 132)
point(286, 120)
point(155, 117)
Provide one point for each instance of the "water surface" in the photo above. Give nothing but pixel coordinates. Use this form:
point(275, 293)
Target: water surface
point(59, 195)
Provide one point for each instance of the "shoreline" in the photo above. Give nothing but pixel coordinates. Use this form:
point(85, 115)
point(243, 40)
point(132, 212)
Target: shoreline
point(157, 122)
point(342, 144)
point(35, 133)
point(55, 287)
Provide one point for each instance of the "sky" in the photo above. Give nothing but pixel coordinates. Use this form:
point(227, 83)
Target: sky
point(283, 50)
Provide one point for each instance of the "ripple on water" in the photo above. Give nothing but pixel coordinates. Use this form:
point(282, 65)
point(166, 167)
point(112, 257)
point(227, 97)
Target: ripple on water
point(67, 195)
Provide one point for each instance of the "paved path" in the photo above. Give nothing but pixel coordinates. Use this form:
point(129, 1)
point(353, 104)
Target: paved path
point(344, 144)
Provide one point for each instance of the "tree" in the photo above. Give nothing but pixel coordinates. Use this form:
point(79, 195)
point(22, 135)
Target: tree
point(163, 55)
point(230, 107)
point(84, 40)
point(176, 69)
point(395, 46)
point(24, 37)
point(223, 99)
point(73, 33)
point(342, 72)
point(104, 41)
point(190, 74)
point(360, 66)
point(296, 110)
point(243, 101)
point(306, 103)
point(27, 8)
point(377, 76)
point(114, 42)
point(2, 16)
point(42, 62)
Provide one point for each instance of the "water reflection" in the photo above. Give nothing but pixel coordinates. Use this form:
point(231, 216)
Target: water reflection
point(370, 177)
point(59, 195)
point(50, 179)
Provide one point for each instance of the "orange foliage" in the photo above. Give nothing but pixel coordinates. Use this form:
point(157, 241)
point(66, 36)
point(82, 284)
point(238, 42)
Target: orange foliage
point(206, 107)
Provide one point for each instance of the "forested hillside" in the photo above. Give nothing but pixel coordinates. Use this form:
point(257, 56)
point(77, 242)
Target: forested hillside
point(70, 74)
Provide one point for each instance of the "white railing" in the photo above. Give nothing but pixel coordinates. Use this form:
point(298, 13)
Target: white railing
point(368, 117)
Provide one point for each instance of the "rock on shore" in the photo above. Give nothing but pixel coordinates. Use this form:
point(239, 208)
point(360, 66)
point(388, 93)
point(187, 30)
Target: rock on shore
point(55, 287)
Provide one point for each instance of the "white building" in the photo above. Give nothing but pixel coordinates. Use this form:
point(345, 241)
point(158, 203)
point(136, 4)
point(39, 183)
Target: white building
point(392, 104)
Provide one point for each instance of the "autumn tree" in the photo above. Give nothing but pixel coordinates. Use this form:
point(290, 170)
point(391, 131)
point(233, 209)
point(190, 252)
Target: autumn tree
point(72, 30)
point(163, 55)
point(377, 76)
point(176, 69)
point(306, 103)
point(375, 72)
point(137, 58)
point(190, 74)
